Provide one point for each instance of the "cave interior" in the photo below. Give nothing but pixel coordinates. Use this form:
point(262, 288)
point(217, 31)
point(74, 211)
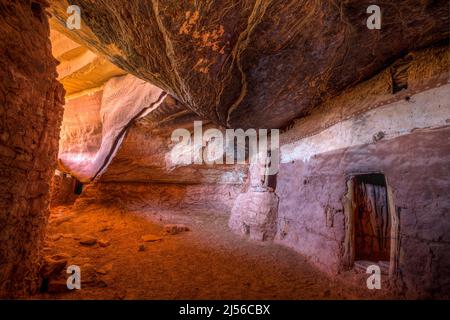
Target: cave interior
point(117, 153)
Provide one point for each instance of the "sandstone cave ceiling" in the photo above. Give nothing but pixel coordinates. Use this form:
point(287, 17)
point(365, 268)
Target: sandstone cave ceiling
point(253, 63)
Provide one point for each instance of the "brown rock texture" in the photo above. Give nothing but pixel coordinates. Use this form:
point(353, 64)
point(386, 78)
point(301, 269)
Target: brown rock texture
point(175, 228)
point(208, 262)
point(30, 114)
point(255, 210)
point(313, 191)
point(364, 155)
point(158, 197)
point(253, 63)
point(52, 266)
point(130, 157)
point(426, 68)
point(62, 189)
point(101, 136)
point(142, 174)
point(145, 154)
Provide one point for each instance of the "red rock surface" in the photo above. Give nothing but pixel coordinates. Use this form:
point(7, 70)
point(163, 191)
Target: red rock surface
point(161, 197)
point(30, 115)
point(81, 130)
point(63, 189)
point(254, 63)
point(312, 213)
point(145, 155)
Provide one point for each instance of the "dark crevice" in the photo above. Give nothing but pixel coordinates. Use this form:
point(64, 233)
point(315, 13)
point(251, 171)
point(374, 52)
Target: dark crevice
point(399, 74)
point(36, 8)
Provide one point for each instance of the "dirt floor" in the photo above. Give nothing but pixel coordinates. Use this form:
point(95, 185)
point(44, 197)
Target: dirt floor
point(206, 262)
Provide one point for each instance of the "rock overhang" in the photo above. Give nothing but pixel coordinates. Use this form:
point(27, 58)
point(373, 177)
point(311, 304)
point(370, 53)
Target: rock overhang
point(253, 64)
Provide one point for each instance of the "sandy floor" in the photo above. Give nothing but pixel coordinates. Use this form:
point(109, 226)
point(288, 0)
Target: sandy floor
point(207, 262)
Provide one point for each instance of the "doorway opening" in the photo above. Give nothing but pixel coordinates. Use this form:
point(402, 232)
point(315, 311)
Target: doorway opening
point(372, 224)
point(78, 187)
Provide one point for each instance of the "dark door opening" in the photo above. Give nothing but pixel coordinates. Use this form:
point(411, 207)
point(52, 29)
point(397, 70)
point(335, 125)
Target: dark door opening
point(372, 221)
point(78, 187)
point(270, 180)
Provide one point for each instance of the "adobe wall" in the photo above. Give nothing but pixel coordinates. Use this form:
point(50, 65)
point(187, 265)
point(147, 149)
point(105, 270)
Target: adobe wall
point(369, 129)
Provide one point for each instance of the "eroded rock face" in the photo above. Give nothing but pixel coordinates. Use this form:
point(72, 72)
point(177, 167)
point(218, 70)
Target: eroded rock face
point(145, 154)
point(158, 198)
point(255, 211)
point(81, 131)
point(80, 69)
point(100, 103)
point(30, 115)
point(253, 63)
point(143, 175)
point(130, 157)
point(94, 125)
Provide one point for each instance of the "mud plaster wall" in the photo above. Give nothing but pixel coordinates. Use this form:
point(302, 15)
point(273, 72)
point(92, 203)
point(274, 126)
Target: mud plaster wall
point(414, 154)
point(30, 116)
point(311, 214)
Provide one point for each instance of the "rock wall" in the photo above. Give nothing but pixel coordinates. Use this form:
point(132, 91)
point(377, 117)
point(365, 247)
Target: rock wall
point(368, 129)
point(142, 174)
point(30, 114)
point(62, 189)
point(101, 101)
point(145, 154)
point(312, 197)
point(120, 136)
point(254, 214)
point(81, 131)
point(157, 198)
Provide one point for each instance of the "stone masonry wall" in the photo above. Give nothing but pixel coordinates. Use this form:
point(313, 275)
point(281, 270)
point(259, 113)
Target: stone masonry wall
point(30, 116)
